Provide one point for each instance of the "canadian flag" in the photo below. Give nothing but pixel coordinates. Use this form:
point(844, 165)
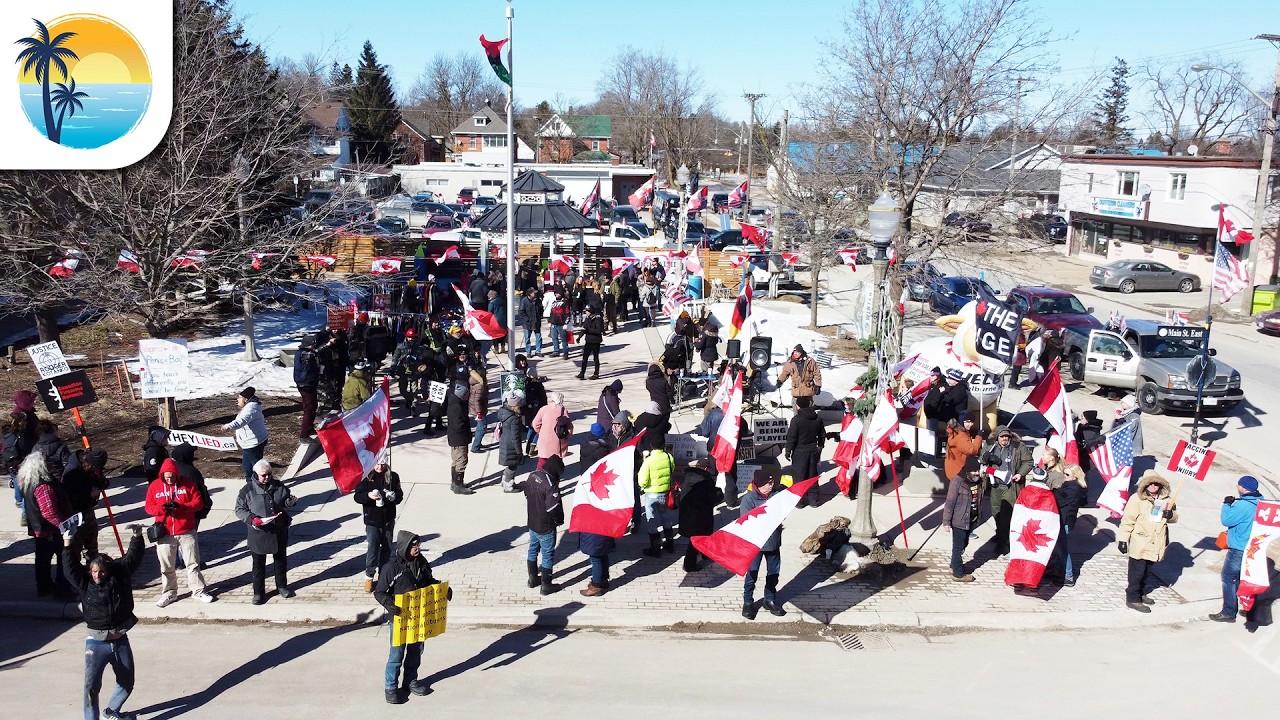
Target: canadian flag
point(325, 260)
point(1236, 235)
point(912, 399)
point(790, 258)
point(724, 390)
point(605, 494)
point(755, 234)
point(562, 264)
point(501, 249)
point(642, 195)
point(737, 544)
point(480, 323)
point(127, 261)
point(725, 446)
point(699, 200)
point(591, 200)
point(847, 450)
point(736, 259)
point(385, 265)
point(66, 267)
point(741, 308)
point(849, 256)
point(1116, 493)
point(1050, 398)
point(354, 440)
point(619, 265)
point(1191, 460)
point(1033, 531)
point(880, 434)
point(738, 197)
point(1254, 578)
point(192, 258)
point(450, 253)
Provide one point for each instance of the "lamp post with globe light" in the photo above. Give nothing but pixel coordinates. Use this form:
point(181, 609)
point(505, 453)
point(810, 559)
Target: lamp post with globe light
point(682, 179)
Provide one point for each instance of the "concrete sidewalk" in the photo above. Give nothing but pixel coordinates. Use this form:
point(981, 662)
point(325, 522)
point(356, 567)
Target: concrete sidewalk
point(478, 543)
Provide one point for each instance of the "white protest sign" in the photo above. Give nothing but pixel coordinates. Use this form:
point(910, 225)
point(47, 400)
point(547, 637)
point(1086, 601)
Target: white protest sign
point(436, 391)
point(221, 444)
point(684, 448)
point(48, 359)
point(768, 430)
point(163, 369)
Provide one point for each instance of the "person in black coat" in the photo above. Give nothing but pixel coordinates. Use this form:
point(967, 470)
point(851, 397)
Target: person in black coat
point(458, 424)
point(57, 456)
point(378, 494)
point(1088, 435)
point(658, 385)
point(265, 507)
point(106, 600)
point(511, 432)
point(155, 451)
point(698, 499)
point(1070, 490)
point(805, 437)
point(479, 291)
point(84, 483)
point(595, 447)
point(544, 513)
point(592, 338)
point(656, 422)
point(404, 573)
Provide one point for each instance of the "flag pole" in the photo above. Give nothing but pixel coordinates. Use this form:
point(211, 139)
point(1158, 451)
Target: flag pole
point(511, 198)
point(893, 468)
point(1208, 329)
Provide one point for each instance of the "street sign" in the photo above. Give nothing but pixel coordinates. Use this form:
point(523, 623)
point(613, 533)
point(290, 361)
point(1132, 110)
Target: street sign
point(48, 359)
point(1181, 332)
point(1200, 367)
point(67, 391)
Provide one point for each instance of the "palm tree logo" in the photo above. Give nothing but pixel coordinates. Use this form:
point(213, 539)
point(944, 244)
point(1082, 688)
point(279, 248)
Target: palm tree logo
point(44, 54)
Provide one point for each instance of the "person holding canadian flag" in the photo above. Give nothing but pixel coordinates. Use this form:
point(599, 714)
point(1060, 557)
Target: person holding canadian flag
point(1144, 535)
point(1237, 516)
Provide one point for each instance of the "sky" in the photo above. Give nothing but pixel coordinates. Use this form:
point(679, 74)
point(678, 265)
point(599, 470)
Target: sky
point(743, 46)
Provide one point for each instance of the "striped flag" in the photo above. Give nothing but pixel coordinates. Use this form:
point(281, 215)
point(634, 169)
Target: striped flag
point(593, 198)
point(1113, 460)
point(1228, 277)
point(674, 300)
point(699, 200)
point(738, 197)
point(741, 308)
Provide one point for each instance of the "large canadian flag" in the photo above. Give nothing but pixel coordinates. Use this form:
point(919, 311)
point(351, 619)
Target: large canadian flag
point(562, 264)
point(725, 446)
point(755, 234)
point(847, 450)
point(621, 264)
point(880, 434)
point(480, 323)
point(450, 253)
point(1050, 398)
point(699, 200)
point(737, 544)
point(354, 440)
point(605, 494)
point(1254, 578)
point(738, 197)
point(385, 265)
point(724, 390)
point(1033, 531)
point(642, 195)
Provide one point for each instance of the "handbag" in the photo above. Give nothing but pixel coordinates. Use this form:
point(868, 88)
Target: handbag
point(1221, 542)
point(157, 532)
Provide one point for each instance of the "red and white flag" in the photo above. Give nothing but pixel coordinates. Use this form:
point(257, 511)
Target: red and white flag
point(450, 253)
point(385, 265)
point(127, 261)
point(480, 323)
point(847, 450)
point(562, 264)
point(699, 200)
point(692, 264)
point(738, 197)
point(1050, 398)
point(605, 494)
point(741, 308)
point(1113, 459)
point(725, 446)
point(1176, 317)
point(911, 400)
point(1229, 277)
point(1254, 578)
point(591, 200)
point(324, 260)
point(66, 267)
point(737, 259)
point(1191, 460)
point(724, 390)
point(674, 299)
point(755, 234)
point(192, 258)
point(790, 258)
point(849, 256)
point(619, 265)
point(1230, 232)
point(642, 195)
point(1033, 532)
point(259, 257)
point(737, 544)
point(354, 440)
point(880, 435)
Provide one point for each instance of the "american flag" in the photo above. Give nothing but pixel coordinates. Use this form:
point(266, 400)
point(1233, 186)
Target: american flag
point(1228, 277)
point(1114, 458)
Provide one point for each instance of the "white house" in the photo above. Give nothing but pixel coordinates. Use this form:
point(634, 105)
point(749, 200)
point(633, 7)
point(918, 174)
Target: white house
point(1162, 208)
point(578, 179)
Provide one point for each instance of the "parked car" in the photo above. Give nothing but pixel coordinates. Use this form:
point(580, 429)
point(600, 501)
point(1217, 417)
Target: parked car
point(718, 241)
point(695, 232)
point(971, 226)
point(623, 214)
point(316, 199)
point(1130, 275)
point(918, 277)
point(440, 223)
point(1268, 322)
point(719, 202)
point(1151, 364)
point(382, 228)
point(627, 233)
point(424, 196)
point(947, 295)
point(1053, 227)
point(466, 197)
point(758, 215)
point(640, 227)
point(1052, 308)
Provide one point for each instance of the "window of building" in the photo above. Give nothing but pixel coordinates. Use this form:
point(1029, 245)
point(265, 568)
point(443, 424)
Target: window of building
point(1177, 186)
point(1273, 189)
point(481, 120)
point(1090, 183)
point(474, 142)
point(495, 141)
point(595, 145)
point(1127, 185)
point(491, 183)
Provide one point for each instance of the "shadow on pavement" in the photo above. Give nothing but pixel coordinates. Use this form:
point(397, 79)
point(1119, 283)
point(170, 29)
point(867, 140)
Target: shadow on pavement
point(549, 625)
point(494, 542)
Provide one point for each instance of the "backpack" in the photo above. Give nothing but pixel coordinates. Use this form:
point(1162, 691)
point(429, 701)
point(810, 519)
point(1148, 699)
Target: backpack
point(564, 428)
point(12, 456)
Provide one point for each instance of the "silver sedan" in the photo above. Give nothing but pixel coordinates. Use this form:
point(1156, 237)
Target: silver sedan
point(1130, 275)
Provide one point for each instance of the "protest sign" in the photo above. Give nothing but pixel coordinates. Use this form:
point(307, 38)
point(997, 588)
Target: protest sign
point(163, 368)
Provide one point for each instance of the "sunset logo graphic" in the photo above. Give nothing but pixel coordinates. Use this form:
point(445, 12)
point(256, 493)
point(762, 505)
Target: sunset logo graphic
point(84, 80)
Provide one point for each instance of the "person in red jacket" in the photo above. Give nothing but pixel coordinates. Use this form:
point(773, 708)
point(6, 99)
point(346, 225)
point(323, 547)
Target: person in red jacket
point(173, 501)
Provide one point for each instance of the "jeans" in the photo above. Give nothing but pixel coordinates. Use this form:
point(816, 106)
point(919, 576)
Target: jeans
point(1231, 582)
point(559, 340)
point(249, 456)
point(479, 425)
point(485, 347)
point(378, 544)
point(1138, 572)
point(773, 566)
point(17, 491)
point(599, 569)
point(407, 656)
point(97, 655)
point(167, 554)
point(536, 336)
point(959, 541)
point(656, 513)
point(307, 424)
point(546, 542)
point(1064, 548)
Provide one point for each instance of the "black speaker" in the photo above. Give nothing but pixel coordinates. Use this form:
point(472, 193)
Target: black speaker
point(761, 352)
point(733, 350)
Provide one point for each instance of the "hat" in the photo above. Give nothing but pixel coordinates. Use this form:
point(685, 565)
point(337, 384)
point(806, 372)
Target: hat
point(763, 476)
point(798, 349)
point(804, 401)
point(249, 393)
point(1039, 475)
point(936, 371)
point(1091, 417)
point(622, 417)
point(1249, 483)
point(615, 386)
point(597, 430)
point(98, 459)
point(1004, 432)
point(964, 417)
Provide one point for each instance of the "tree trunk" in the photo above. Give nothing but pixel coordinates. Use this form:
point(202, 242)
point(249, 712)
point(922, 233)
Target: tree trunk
point(250, 348)
point(47, 324)
point(167, 412)
point(816, 269)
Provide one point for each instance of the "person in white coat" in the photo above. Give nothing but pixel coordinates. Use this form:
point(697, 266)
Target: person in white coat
point(1034, 372)
point(250, 427)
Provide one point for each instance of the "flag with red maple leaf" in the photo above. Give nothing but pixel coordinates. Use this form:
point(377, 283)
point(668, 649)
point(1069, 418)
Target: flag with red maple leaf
point(354, 440)
point(1254, 575)
point(605, 494)
point(1033, 532)
point(1191, 460)
point(737, 544)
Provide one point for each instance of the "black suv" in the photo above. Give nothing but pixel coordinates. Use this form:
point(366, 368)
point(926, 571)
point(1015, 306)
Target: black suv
point(971, 226)
point(1053, 227)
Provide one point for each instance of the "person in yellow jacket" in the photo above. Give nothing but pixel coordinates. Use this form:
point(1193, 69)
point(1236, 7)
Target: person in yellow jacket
point(655, 476)
point(1144, 534)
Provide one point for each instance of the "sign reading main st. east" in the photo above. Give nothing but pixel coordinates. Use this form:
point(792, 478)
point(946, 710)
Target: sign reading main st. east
point(1181, 332)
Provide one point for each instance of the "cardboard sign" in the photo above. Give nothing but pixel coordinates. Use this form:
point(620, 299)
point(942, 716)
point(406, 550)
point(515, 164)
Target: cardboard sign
point(746, 449)
point(65, 392)
point(208, 442)
point(163, 368)
point(1191, 460)
point(340, 318)
point(768, 430)
point(684, 448)
point(48, 359)
point(437, 391)
point(998, 325)
point(423, 614)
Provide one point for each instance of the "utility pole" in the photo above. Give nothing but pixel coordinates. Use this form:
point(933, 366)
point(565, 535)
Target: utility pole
point(1264, 176)
point(751, 136)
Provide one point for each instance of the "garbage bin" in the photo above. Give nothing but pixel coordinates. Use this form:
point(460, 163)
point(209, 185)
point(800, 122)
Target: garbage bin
point(1265, 297)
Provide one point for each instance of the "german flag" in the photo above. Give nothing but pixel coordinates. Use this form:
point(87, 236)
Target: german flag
point(741, 308)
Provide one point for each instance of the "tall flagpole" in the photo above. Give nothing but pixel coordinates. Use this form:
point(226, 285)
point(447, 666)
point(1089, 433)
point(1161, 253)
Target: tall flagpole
point(511, 202)
point(1204, 344)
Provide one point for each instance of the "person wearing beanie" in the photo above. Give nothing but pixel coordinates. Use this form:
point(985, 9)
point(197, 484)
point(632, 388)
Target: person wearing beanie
point(762, 486)
point(1144, 534)
point(250, 427)
point(378, 494)
point(963, 445)
point(961, 513)
point(458, 431)
point(804, 373)
point(1010, 462)
point(173, 501)
point(510, 434)
point(84, 483)
point(265, 506)
point(599, 444)
point(805, 437)
point(544, 515)
point(1237, 516)
point(406, 571)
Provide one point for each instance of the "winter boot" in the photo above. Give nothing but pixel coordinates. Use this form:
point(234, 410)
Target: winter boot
point(457, 487)
point(655, 546)
point(749, 610)
point(592, 590)
point(419, 688)
point(691, 563)
point(533, 573)
point(668, 540)
point(530, 450)
point(771, 596)
point(547, 586)
point(394, 697)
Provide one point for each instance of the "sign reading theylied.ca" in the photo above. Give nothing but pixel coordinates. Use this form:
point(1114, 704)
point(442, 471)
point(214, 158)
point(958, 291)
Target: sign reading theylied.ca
point(163, 369)
point(221, 444)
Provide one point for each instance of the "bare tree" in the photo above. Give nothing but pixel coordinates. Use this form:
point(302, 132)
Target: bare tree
point(451, 88)
point(1189, 107)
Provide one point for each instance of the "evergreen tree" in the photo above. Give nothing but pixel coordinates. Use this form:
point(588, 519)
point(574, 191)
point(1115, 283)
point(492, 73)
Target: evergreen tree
point(1111, 111)
point(373, 110)
point(340, 81)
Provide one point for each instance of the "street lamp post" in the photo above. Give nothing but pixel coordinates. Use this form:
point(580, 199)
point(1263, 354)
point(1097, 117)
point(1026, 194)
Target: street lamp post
point(882, 220)
point(682, 179)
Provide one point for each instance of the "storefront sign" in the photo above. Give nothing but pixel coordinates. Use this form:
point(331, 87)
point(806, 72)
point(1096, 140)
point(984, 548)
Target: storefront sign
point(1117, 207)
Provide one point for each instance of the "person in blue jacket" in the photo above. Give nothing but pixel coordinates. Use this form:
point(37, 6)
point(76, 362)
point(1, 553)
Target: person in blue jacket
point(1237, 517)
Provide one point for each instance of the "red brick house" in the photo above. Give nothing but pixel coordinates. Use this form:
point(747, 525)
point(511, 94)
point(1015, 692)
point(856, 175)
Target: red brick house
point(420, 145)
point(576, 138)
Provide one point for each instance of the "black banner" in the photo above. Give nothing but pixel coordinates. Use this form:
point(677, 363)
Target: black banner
point(64, 392)
point(998, 325)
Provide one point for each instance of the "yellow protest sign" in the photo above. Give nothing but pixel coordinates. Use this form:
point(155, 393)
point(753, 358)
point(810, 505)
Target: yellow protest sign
point(423, 613)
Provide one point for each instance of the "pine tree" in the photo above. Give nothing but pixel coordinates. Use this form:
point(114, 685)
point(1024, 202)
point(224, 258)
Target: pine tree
point(373, 110)
point(340, 81)
point(1111, 111)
